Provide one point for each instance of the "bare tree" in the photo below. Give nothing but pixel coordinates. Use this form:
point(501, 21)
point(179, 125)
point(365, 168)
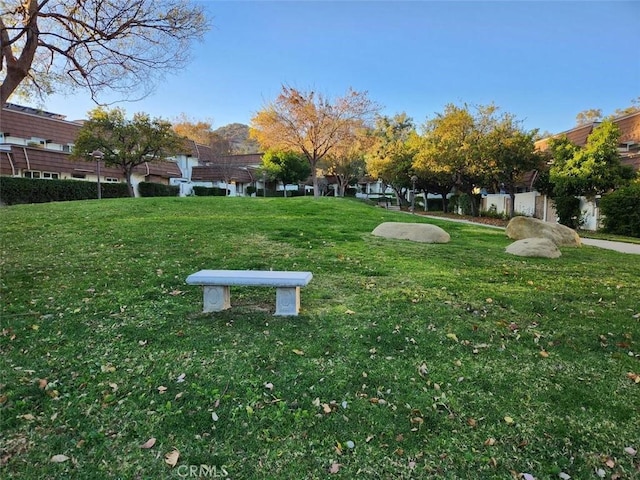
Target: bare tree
point(121, 46)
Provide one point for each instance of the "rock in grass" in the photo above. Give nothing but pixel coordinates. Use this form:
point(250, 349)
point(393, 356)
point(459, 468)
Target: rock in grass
point(417, 232)
point(534, 247)
point(527, 227)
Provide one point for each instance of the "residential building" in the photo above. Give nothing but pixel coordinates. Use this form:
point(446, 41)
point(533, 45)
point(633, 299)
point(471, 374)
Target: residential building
point(38, 144)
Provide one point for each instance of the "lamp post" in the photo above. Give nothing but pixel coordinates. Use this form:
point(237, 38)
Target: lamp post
point(264, 184)
point(414, 179)
point(98, 155)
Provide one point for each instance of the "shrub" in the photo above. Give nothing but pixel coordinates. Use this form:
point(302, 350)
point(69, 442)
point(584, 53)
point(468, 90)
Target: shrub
point(568, 210)
point(209, 191)
point(251, 190)
point(152, 189)
point(15, 190)
point(621, 211)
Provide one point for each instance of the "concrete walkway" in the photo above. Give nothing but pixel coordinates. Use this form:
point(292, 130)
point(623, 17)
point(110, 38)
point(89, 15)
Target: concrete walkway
point(622, 247)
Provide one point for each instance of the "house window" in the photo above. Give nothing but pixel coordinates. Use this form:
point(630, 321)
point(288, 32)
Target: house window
point(31, 174)
point(50, 175)
point(111, 180)
point(80, 176)
point(66, 148)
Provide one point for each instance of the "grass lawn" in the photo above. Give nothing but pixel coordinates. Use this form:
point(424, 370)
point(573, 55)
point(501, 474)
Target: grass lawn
point(407, 360)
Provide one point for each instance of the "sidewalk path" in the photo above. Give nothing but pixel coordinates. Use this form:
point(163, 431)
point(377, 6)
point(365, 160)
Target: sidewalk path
point(622, 247)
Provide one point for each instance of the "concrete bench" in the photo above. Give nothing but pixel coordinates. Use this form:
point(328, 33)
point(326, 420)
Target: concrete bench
point(216, 285)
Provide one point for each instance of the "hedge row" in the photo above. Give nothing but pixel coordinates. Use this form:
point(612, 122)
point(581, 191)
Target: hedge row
point(209, 192)
point(151, 189)
point(16, 190)
point(621, 211)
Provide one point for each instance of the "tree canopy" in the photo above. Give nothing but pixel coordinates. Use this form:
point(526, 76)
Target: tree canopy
point(390, 156)
point(311, 123)
point(288, 167)
point(102, 45)
point(126, 143)
point(593, 169)
point(200, 131)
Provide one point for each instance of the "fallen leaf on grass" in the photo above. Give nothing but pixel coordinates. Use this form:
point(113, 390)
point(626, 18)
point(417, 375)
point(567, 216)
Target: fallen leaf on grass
point(162, 389)
point(326, 408)
point(630, 451)
point(297, 352)
point(268, 386)
point(42, 383)
point(59, 458)
point(528, 476)
point(544, 353)
point(509, 420)
point(423, 370)
point(634, 377)
point(490, 442)
point(610, 463)
point(452, 336)
point(180, 378)
point(564, 476)
point(171, 458)
point(335, 467)
point(149, 443)
point(349, 312)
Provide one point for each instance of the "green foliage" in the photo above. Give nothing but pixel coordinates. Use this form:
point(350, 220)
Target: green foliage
point(15, 190)
point(568, 209)
point(126, 143)
point(390, 154)
point(592, 170)
point(209, 191)
point(153, 189)
point(621, 211)
point(285, 166)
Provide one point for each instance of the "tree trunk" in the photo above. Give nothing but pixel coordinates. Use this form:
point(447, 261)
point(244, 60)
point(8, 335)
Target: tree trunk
point(314, 177)
point(132, 192)
point(18, 69)
point(512, 196)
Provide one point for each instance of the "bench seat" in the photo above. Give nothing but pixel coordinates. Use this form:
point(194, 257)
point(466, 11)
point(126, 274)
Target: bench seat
point(217, 295)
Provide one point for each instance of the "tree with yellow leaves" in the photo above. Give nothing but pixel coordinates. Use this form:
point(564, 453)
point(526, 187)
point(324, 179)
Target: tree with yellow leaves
point(311, 123)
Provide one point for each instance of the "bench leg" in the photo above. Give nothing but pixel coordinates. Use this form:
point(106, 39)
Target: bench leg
point(216, 298)
point(287, 301)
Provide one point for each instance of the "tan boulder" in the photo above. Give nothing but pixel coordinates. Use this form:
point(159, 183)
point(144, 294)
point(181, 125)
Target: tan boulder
point(534, 247)
point(527, 227)
point(417, 232)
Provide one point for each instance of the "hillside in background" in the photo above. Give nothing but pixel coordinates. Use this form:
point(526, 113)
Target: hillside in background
point(238, 136)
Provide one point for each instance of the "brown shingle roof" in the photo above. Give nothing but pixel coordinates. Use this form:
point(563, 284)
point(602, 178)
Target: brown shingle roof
point(26, 125)
point(238, 168)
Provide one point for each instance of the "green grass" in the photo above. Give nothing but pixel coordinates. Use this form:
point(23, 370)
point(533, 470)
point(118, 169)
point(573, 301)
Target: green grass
point(436, 361)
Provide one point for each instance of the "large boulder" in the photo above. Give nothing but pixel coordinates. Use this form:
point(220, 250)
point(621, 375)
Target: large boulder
point(534, 247)
point(527, 227)
point(417, 232)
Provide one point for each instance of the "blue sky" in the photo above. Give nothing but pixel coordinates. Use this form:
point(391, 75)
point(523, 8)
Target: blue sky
point(542, 61)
